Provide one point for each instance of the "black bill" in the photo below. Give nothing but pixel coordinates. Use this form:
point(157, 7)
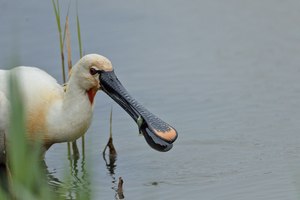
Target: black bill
point(158, 134)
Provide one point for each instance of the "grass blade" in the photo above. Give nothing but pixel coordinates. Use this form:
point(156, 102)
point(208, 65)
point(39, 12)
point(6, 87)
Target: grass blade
point(78, 31)
point(61, 45)
point(80, 54)
point(28, 180)
point(68, 43)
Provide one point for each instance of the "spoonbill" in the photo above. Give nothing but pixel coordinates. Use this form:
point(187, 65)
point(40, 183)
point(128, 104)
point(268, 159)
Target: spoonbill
point(55, 113)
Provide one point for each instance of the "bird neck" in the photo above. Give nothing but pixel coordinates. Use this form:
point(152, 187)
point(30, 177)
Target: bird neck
point(74, 114)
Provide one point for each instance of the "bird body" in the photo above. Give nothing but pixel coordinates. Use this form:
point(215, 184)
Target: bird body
point(53, 113)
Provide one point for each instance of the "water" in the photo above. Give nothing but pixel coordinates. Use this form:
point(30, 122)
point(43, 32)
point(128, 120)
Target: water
point(224, 74)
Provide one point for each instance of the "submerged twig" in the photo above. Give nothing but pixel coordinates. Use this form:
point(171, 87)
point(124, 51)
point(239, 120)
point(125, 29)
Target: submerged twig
point(112, 151)
point(110, 145)
point(120, 189)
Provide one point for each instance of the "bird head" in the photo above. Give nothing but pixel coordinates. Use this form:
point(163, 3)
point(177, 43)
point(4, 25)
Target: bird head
point(96, 73)
point(89, 69)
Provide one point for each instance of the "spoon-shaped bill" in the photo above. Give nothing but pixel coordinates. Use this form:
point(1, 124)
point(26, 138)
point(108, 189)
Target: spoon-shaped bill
point(158, 134)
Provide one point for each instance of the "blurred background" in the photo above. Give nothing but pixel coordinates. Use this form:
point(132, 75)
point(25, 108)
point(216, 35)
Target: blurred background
point(225, 74)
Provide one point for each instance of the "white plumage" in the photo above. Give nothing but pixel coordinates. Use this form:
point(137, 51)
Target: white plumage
point(54, 113)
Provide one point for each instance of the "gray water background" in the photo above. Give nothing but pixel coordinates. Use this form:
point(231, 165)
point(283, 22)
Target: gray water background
point(224, 73)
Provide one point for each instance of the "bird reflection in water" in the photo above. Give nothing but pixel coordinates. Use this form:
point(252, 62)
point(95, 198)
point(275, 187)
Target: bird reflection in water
point(77, 184)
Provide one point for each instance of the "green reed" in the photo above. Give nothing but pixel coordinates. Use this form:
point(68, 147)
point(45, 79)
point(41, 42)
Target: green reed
point(56, 8)
point(25, 172)
point(65, 38)
point(26, 179)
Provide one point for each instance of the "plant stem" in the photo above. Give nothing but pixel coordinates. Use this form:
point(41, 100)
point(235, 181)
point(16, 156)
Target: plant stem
point(61, 45)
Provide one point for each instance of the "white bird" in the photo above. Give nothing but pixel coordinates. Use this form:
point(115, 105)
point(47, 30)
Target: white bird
point(55, 114)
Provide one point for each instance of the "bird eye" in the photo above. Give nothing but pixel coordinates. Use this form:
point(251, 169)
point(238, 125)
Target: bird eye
point(93, 71)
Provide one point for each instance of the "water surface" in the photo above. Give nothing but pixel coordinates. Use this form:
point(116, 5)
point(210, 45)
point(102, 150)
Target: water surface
point(225, 74)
